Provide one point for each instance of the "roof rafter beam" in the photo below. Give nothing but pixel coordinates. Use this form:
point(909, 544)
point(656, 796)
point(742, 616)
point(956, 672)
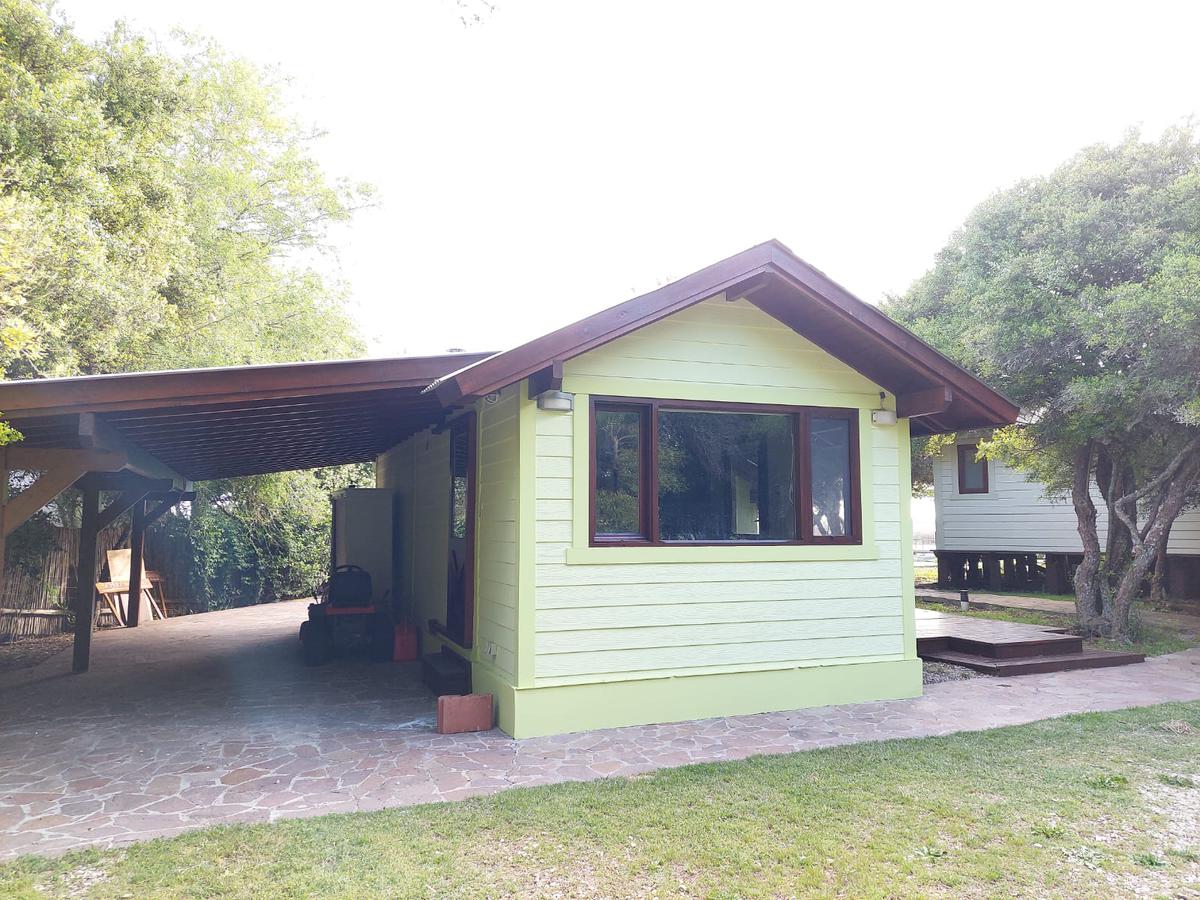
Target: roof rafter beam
point(547, 379)
point(929, 402)
point(103, 436)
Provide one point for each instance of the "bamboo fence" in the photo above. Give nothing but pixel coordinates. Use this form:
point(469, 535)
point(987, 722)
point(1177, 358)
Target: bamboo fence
point(39, 602)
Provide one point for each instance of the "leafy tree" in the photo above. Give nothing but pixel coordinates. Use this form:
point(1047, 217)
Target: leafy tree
point(163, 210)
point(1078, 295)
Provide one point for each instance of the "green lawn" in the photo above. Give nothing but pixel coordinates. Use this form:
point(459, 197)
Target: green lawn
point(1152, 640)
point(1087, 806)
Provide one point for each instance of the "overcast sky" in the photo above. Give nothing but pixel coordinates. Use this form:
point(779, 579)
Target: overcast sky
point(559, 157)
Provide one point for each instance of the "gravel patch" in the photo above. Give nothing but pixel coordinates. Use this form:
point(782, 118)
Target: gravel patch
point(937, 672)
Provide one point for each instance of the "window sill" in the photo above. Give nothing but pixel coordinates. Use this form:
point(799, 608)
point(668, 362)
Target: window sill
point(593, 556)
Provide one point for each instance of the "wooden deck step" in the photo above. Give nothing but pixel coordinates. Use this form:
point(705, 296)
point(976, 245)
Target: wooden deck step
point(1034, 665)
point(1032, 645)
point(1044, 645)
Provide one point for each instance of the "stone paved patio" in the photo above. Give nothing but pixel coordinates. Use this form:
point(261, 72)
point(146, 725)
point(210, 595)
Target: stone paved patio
point(210, 719)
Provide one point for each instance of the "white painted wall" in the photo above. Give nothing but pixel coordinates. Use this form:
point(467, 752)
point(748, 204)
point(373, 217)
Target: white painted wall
point(1015, 514)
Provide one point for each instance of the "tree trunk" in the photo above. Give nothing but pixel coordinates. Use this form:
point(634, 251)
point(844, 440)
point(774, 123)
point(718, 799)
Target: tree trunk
point(1115, 480)
point(1158, 594)
point(1170, 502)
point(1089, 588)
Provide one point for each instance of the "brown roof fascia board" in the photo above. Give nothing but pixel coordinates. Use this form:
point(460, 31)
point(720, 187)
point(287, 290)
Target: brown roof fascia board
point(748, 273)
point(824, 289)
point(607, 325)
point(104, 393)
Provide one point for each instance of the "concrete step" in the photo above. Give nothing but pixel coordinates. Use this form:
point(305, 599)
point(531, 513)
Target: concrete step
point(1035, 665)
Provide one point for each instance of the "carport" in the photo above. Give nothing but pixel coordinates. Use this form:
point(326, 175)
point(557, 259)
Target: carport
point(140, 440)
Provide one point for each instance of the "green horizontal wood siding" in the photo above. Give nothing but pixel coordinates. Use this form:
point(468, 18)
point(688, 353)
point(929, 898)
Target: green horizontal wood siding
point(695, 610)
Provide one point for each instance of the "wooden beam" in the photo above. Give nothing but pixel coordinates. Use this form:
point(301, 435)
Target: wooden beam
point(49, 485)
point(928, 402)
point(123, 502)
point(85, 580)
point(137, 459)
point(41, 458)
point(742, 290)
point(137, 549)
point(61, 469)
point(149, 518)
point(547, 379)
point(125, 481)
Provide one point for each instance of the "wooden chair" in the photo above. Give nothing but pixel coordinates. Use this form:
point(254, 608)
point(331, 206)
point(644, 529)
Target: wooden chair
point(115, 592)
point(112, 595)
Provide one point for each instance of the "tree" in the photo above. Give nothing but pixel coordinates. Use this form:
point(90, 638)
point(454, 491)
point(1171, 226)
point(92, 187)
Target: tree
point(1078, 295)
point(161, 209)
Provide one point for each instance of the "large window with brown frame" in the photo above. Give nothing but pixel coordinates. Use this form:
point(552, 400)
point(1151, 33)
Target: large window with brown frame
point(668, 472)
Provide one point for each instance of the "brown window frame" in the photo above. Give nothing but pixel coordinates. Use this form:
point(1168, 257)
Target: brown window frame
point(963, 462)
point(648, 483)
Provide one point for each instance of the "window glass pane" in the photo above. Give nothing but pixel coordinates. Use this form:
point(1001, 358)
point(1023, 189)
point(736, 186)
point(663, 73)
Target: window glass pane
point(829, 444)
point(618, 471)
point(725, 476)
point(971, 472)
point(458, 481)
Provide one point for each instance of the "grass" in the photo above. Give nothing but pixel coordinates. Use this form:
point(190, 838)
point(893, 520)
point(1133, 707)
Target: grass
point(1027, 616)
point(927, 576)
point(1152, 640)
point(1064, 807)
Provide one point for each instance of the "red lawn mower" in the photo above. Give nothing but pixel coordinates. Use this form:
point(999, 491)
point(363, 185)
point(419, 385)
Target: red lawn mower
point(345, 620)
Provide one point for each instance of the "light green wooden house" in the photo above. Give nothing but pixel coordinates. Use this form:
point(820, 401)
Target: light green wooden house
point(692, 504)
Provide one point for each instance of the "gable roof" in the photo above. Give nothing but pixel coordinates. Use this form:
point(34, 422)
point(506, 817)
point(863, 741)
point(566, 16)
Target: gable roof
point(939, 395)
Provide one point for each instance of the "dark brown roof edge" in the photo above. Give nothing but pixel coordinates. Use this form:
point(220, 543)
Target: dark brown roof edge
point(880, 323)
point(571, 340)
point(772, 258)
point(100, 393)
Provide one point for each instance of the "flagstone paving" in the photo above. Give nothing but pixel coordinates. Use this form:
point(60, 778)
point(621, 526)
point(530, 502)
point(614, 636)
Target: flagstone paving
point(212, 718)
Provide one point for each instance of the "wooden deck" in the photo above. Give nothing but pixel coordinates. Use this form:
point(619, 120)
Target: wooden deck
point(1007, 648)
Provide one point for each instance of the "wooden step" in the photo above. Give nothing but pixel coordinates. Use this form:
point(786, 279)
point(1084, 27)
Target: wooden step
point(1035, 665)
point(446, 673)
point(1049, 644)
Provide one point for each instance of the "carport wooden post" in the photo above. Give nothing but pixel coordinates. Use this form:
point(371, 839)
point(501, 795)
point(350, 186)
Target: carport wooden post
point(137, 549)
point(85, 578)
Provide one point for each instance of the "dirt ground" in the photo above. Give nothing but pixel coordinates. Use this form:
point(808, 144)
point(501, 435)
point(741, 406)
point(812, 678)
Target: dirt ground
point(28, 652)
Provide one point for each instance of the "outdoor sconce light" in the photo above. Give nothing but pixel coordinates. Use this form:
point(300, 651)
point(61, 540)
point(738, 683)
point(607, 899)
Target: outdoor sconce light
point(883, 416)
point(556, 401)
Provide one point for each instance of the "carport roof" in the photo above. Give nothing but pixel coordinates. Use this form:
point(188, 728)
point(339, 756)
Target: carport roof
point(241, 420)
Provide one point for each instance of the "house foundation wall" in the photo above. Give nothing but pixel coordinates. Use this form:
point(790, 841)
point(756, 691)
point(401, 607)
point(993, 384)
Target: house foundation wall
point(561, 709)
point(1006, 570)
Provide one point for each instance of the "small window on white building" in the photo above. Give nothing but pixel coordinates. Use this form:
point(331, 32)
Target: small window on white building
point(972, 471)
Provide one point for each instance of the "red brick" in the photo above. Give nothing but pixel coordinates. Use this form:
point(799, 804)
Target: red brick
point(457, 713)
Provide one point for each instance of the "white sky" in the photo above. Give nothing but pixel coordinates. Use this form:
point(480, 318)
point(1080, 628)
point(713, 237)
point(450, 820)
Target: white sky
point(561, 157)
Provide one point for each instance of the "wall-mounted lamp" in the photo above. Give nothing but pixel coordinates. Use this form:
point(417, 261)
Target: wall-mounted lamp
point(883, 416)
point(556, 401)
